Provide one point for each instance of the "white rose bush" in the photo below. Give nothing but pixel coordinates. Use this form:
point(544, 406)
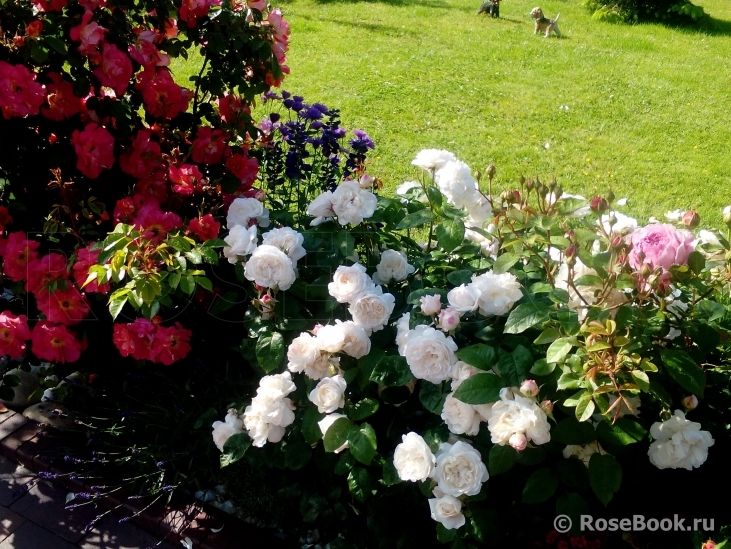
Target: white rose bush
point(463, 357)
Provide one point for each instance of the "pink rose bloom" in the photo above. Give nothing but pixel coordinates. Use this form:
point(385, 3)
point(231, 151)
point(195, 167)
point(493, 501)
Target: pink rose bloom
point(85, 258)
point(91, 5)
point(63, 306)
point(91, 35)
point(44, 270)
point(191, 10)
point(663, 246)
point(146, 53)
point(155, 223)
point(18, 252)
point(244, 168)
point(260, 5)
point(134, 339)
point(115, 69)
point(154, 186)
point(49, 5)
point(55, 343)
point(185, 179)
point(62, 103)
point(20, 94)
point(94, 150)
point(230, 108)
point(162, 96)
point(142, 157)
point(14, 333)
point(205, 228)
point(210, 145)
point(170, 344)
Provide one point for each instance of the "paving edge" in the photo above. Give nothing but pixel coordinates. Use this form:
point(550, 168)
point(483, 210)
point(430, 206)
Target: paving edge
point(24, 441)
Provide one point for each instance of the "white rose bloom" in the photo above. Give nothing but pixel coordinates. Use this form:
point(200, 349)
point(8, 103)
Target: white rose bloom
point(257, 427)
point(321, 206)
point(461, 418)
point(324, 366)
point(286, 239)
point(430, 304)
point(413, 459)
point(464, 299)
point(462, 371)
point(270, 267)
point(352, 204)
point(679, 443)
point(328, 395)
point(223, 430)
point(584, 452)
point(498, 293)
point(274, 411)
point(241, 241)
point(459, 469)
point(455, 181)
point(402, 332)
point(430, 354)
point(586, 296)
point(479, 210)
point(349, 282)
point(243, 210)
point(394, 266)
point(327, 422)
point(372, 310)
point(432, 159)
point(405, 187)
point(447, 510)
point(330, 338)
point(622, 223)
point(356, 342)
point(302, 353)
point(707, 237)
point(276, 386)
point(514, 413)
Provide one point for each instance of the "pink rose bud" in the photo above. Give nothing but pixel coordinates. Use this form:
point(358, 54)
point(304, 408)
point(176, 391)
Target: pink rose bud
point(710, 544)
point(34, 29)
point(366, 181)
point(547, 407)
point(570, 251)
point(570, 234)
point(598, 205)
point(431, 304)
point(260, 195)
point(529, 388)
point(518, 441)
point(617, 242)
point(691, 219)
point(266, 299)
point(449, 319)
point(316, 329)
point(690, 402)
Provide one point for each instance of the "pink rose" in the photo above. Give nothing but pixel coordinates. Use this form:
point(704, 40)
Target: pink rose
point(449, 319)
point(662, 245)
point(20, 94)
point(94, 150)
point(115, 70)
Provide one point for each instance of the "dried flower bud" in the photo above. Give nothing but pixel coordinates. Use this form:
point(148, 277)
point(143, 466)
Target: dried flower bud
point(598, 205)
point(477, 175)
point(691, 219)
point(558, 193)
point(529, 184)
point(690, 402)
point(521, 179)
point(646, 271)
point(640, 256)
point(491, 170)
point(570, 235)
point(552, 185)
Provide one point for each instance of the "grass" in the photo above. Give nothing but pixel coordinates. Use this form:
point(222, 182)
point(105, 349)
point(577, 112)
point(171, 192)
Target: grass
point(646, 103)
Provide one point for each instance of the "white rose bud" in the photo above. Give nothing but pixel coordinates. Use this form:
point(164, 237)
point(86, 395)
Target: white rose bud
point(431, 304)
point(547, 407)
point(518, 441)
point(529, 388)
point(328, 395)
point(449, 319)
point(690, 402)
point(447, 510)
point(413, 459)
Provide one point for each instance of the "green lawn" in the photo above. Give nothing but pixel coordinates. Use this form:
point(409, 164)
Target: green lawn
point(647, 104)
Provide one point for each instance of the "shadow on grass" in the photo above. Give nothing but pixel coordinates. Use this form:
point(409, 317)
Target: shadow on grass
point(709, 27)
point(374, 27)
point(399, 3)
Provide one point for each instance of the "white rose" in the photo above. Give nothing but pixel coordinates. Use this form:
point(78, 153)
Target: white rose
point(349, 282)
point(707, 237)
point(330, 338)
point(356, 342)
point(432, 159)
point(327, 422)
point(455, 181)
point(479, 210)
point(498, 293)
point(461, 418)
point(402, 332)
point(275, 411)
point(584, 452)
point(514, 413)
point(223, 430)
point(585, 295)
point(257, 427)
point(413, 459)
point(321, 206)
point(679, 443)
point(270, 267)
point(241, 241)
point(621, 223)
point(243, 210)
point(328, 395)
point(393, 266)
point(286, 239)
point(372, 310)
point(464, 299)
point(449, 319)
point(447, 510)
point(460, 469)
point(431, 304)
point(430, 354)
point(462, 371)
point(276, 386)
point(302, 353)
point(352, 204)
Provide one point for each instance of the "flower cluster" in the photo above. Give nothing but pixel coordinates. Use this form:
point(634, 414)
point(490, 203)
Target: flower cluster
point(148, 340)
point(270, 411)
point(349, 203)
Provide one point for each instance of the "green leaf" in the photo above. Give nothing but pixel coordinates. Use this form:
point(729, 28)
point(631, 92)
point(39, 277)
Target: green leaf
point(362, 442)
point(337, 434)
point(605, 476)
point(501, 459)
point(480, 389)
point(540, 486)
point(585, 408)
point(235, 448)
point(391, 371)
point(194, 256)
point(548, 335)
point(460, 277)
point(206, 418)
point(360, 483)
point(570, 431)
point(641, 379)
point(504, 262)
point(204, 282)
point(526, 315)
point(363, 409)
point(684, 370)
point(431, 396)
point(696, 262)
point(445, 535)
point(296, 454)
point(116, 306)
point(390, 474)
point(450, 234)
point(57, 44)
point(515, 366)
point(480, 356)
point(589, 280)
point(310, 428)
point(344, 242)
point(623, 432)
point(187, 284)
point(416, 219)
point(573, 506)
point(485, 525)
point(270, 350)
point(558, 349)
point(573, 473)
point(542, 367)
